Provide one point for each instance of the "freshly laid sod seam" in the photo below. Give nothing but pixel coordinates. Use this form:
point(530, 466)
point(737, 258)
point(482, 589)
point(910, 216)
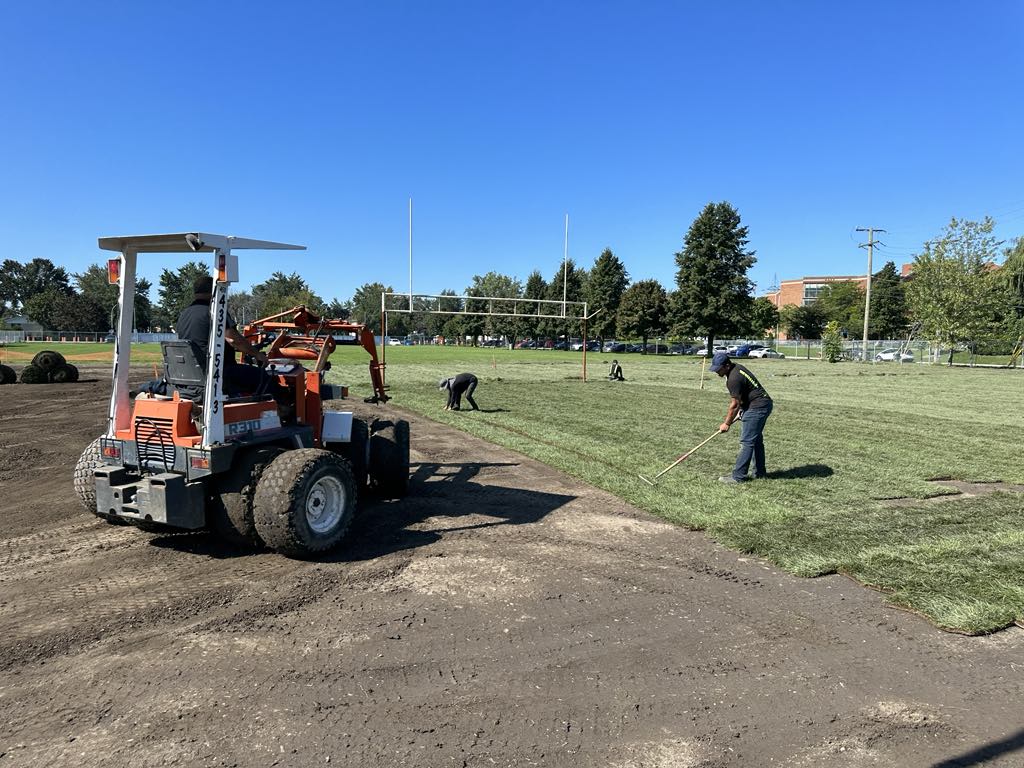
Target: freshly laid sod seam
point(842, 439)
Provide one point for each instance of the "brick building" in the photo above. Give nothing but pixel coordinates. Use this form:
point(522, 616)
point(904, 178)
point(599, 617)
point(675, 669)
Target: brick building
point(806, 290)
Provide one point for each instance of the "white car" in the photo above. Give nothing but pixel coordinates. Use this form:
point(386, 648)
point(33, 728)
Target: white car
point(394, 342)
point(765, 353)
point(703, 351)
point(893, 355)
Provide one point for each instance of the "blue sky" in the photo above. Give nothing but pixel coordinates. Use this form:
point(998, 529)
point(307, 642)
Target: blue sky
point(316, 122)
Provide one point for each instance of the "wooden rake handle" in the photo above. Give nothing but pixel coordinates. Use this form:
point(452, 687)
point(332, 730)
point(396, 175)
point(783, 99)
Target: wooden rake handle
point(687, 455)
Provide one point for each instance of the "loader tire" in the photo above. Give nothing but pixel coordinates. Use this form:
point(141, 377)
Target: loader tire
point(305, 502)
point(64, 374)
point(230, 509)
point(32, 374)
point(8, 375)
point(389, 458)
point(48, 361)
point(357, 451)
point(85, 482)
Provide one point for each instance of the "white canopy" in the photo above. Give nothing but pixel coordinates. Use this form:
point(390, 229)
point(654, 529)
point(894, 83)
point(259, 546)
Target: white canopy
point(179, 243)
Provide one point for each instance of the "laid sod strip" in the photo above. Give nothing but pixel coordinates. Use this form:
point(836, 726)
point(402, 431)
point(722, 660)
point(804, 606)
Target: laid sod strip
point(843, 439)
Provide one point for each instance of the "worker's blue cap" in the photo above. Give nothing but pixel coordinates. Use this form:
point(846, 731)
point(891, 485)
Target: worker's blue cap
point(720, 359)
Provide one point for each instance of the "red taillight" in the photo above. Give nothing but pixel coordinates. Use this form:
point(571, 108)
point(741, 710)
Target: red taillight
point(114, 271)
point(199, 462)
point(222, 268)
point(112, 451)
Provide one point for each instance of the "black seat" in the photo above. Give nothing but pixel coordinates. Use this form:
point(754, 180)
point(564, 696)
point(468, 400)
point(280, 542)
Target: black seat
point(182, 369)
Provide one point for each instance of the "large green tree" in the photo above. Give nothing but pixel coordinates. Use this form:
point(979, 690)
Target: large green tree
point(714, 293)
point(96, 290)
point(1011, 274)
point(573, 279)
point(803, 321)
point(366, 305)
point(954, 294)
point(643, 311)
point(495, 284)
point(764, 317)
point(843, 304)
point(607, 281)
point(281, 292)
point(888, 318)
point(536, 288)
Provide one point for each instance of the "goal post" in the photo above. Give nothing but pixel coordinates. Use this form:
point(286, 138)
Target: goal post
point(515, 307)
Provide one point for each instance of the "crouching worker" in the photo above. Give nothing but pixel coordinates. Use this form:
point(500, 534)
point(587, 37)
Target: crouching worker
point(457, 386)
point(615, 374)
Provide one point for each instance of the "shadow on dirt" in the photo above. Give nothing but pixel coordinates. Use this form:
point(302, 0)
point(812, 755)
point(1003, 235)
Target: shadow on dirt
point(802, 472)
point(442, 493)
point(984, 754)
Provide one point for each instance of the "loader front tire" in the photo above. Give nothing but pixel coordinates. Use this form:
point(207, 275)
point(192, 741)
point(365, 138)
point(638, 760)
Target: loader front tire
point(8, 375)
point(305, 502)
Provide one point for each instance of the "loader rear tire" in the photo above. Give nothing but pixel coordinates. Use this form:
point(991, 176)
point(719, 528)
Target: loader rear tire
point(230, 509)
point(305, 502)
point(32, 374)
point(8, 375)
point(85, 481)
point(357, 451)
point(48, 360)
point(389, 458)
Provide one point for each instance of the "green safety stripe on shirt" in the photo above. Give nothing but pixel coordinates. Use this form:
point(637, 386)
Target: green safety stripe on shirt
point(751, 379)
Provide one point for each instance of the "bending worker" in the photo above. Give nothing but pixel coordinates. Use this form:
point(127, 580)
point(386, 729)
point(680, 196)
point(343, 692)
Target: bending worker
point(752, 400)
point(457, 386)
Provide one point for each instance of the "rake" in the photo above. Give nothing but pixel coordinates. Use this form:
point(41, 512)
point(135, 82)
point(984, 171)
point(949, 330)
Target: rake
point(680, 460)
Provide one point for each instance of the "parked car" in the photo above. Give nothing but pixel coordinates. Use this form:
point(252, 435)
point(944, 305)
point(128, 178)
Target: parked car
point(394, 341)
point(703, 351)
point(634, 347)
point(614, 346)
point(563, 345)
point(893, 355)
point(593, 346)
point(576, 346)
point(762, 352)
point(657, 349)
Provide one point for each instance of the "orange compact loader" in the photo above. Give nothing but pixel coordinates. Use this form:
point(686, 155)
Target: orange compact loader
point(254, 467)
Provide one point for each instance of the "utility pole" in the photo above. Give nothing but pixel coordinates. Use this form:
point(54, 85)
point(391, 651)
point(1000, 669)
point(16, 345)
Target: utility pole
point(870, 245)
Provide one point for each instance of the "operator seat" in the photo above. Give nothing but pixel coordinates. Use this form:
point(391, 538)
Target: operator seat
point(182, 369)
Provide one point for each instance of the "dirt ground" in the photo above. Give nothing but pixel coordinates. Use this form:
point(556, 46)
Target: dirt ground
point(502, 615)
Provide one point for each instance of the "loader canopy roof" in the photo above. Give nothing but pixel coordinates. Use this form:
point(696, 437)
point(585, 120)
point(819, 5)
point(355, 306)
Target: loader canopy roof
point(189, 242)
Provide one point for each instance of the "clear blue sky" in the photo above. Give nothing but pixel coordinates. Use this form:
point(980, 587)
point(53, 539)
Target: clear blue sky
point(315, 123)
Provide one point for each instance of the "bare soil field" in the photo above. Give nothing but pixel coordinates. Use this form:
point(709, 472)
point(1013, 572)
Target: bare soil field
point(502, 615)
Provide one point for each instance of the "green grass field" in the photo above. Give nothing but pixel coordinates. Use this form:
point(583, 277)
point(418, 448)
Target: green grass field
point(843, 438)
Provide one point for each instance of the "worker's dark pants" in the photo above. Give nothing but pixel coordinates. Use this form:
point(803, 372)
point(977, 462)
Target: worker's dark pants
point(752, 439)
point(469, 396)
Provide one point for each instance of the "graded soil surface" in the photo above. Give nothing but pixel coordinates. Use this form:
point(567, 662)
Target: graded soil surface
point(502, 615)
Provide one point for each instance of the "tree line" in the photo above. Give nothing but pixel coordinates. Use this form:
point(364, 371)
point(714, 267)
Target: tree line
point(957, 294)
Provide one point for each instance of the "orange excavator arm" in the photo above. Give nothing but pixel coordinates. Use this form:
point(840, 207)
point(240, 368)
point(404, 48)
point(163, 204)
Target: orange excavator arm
point(298, 334)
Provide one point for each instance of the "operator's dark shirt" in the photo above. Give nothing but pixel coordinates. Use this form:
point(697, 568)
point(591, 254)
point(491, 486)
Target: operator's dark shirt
point(745, 387)
point(194, 325)
point(457, 385)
